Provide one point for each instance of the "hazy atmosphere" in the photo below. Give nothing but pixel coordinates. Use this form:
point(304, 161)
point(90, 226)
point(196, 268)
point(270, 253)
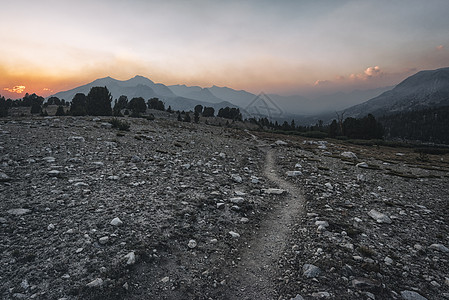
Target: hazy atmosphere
point(284, 47)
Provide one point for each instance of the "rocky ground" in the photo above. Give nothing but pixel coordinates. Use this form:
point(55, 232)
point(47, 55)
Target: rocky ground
point(172, 210)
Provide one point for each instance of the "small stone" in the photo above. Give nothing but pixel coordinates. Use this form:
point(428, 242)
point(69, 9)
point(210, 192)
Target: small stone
point(235, 235)
point(310, 271)
point(244, 220)
point(135, 159)
point(165, 279)
point(125, 286)
point(411, 295)
point(220, 205)
point(298, 166)
point(293, 173)
point(76, 138)
point(18, 211)
point(364, 283)
point(274, 191)
point(50, 227)
point(103, 240)
point(362, 165)
point(192, 244)
point(236, 178)
point(95, 283)
point(186, 166)
point(54, 173)
point(237, 200)
point(222, 155)
point(4, 177)
point(349, 154)
point(106, 125)
point(116, 222)
point(79, 250)
point(297, 297)
point(379, 217)
point(213, 241)
point(131, 258)
point(113, 177)
point(439, 247)
point(49, 159)
point(280, 143)
point(329, 186)
point(388, 261)
point(321, 295)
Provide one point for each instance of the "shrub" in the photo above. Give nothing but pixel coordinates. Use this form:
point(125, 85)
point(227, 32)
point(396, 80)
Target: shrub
point(120, 125)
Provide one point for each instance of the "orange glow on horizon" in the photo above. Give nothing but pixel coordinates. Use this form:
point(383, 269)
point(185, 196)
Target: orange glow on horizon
point(18, 89)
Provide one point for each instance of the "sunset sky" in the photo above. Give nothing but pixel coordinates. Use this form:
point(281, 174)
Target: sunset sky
point(286, 47)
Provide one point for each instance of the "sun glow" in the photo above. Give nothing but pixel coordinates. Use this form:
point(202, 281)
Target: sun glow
point(18, 89)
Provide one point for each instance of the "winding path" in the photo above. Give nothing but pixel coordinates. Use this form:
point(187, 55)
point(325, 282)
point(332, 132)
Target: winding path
point(255, 275)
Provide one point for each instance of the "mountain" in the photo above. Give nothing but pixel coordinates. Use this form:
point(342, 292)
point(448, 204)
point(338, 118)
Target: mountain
point(140, 86)
point(240, 98)
point(195, 92)
point(425, 89)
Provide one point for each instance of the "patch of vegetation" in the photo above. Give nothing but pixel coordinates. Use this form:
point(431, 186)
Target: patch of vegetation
point(366, 251)
point(120, 125)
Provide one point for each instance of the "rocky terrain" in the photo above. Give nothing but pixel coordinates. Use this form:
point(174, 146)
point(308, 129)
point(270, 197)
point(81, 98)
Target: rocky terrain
point(172, 210)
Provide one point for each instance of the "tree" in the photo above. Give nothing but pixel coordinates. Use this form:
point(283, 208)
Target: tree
point(230, 113)
point(99, 101)
point(208, 112)
point(179, 116)
point(122, 103)
point(196, 117)
point(155, 103)
point(79, 105)
point(53, 101)
point(333, 129)
point(137, 105)
point(187, 118)
point(3, 107)
point(198, 108)
point(169, 110)
point(60, 111)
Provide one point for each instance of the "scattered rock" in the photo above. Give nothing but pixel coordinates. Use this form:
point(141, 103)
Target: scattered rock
point(192, 244)
point(4, 177)
point(362, 165)
point(131, 258)
point(280, 143)
point(297, 297)
point(274, 191)
point(349, 154)
point(95, 283)
point(310, 271)
point(116, 222)
point(237, 200)
point(103, 240)
point(236, 178)
point(293, 173)
point(379, 217)
point(411, 295)
point(439, 247)
point(18, 211)
point(234, 234)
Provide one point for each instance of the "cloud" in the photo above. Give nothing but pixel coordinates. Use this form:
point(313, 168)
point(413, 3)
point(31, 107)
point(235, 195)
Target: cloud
point(368, 73)
point(439, 48)
point(16, 89)
point(322, 82)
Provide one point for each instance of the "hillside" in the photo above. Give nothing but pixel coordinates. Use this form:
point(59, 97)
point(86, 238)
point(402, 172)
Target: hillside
point(425, 89)
point(189, 211)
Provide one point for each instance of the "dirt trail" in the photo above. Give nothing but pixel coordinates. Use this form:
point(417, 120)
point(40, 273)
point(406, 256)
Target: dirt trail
point(256, 273)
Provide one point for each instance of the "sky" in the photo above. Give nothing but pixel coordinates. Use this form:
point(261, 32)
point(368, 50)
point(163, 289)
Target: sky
point(285, 47)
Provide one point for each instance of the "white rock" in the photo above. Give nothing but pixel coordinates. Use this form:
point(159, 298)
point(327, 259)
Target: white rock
point(220, 205)
point(192, 244)
point(222, 155)
point(236, 178)
point(95, 283)
point(50, 227)
point(411, 295)
point(349, 154)
point(244, 220)
point(254, 179)
point(116, 222)
point(103, 240)
point(322, 223)
point(131, 258)
point(274, 191)
point(49, 159)
point(298, 166)
point(280, 143)
point(213, 241)
point(362, 165)
point(18, 211)
point(388, 261)
point(76, 138)
point(165, 279)
point(329, 185)
point(113, 177)
point(297, 297)
point(106, 125)
point(239, 193)
point(310, 271)
point(186, 166)
point(54, 173)
point(237, 200)
point(4, 177)
point(293, 173)
point(234, 234)
point(439, 247)
point(379, 217)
